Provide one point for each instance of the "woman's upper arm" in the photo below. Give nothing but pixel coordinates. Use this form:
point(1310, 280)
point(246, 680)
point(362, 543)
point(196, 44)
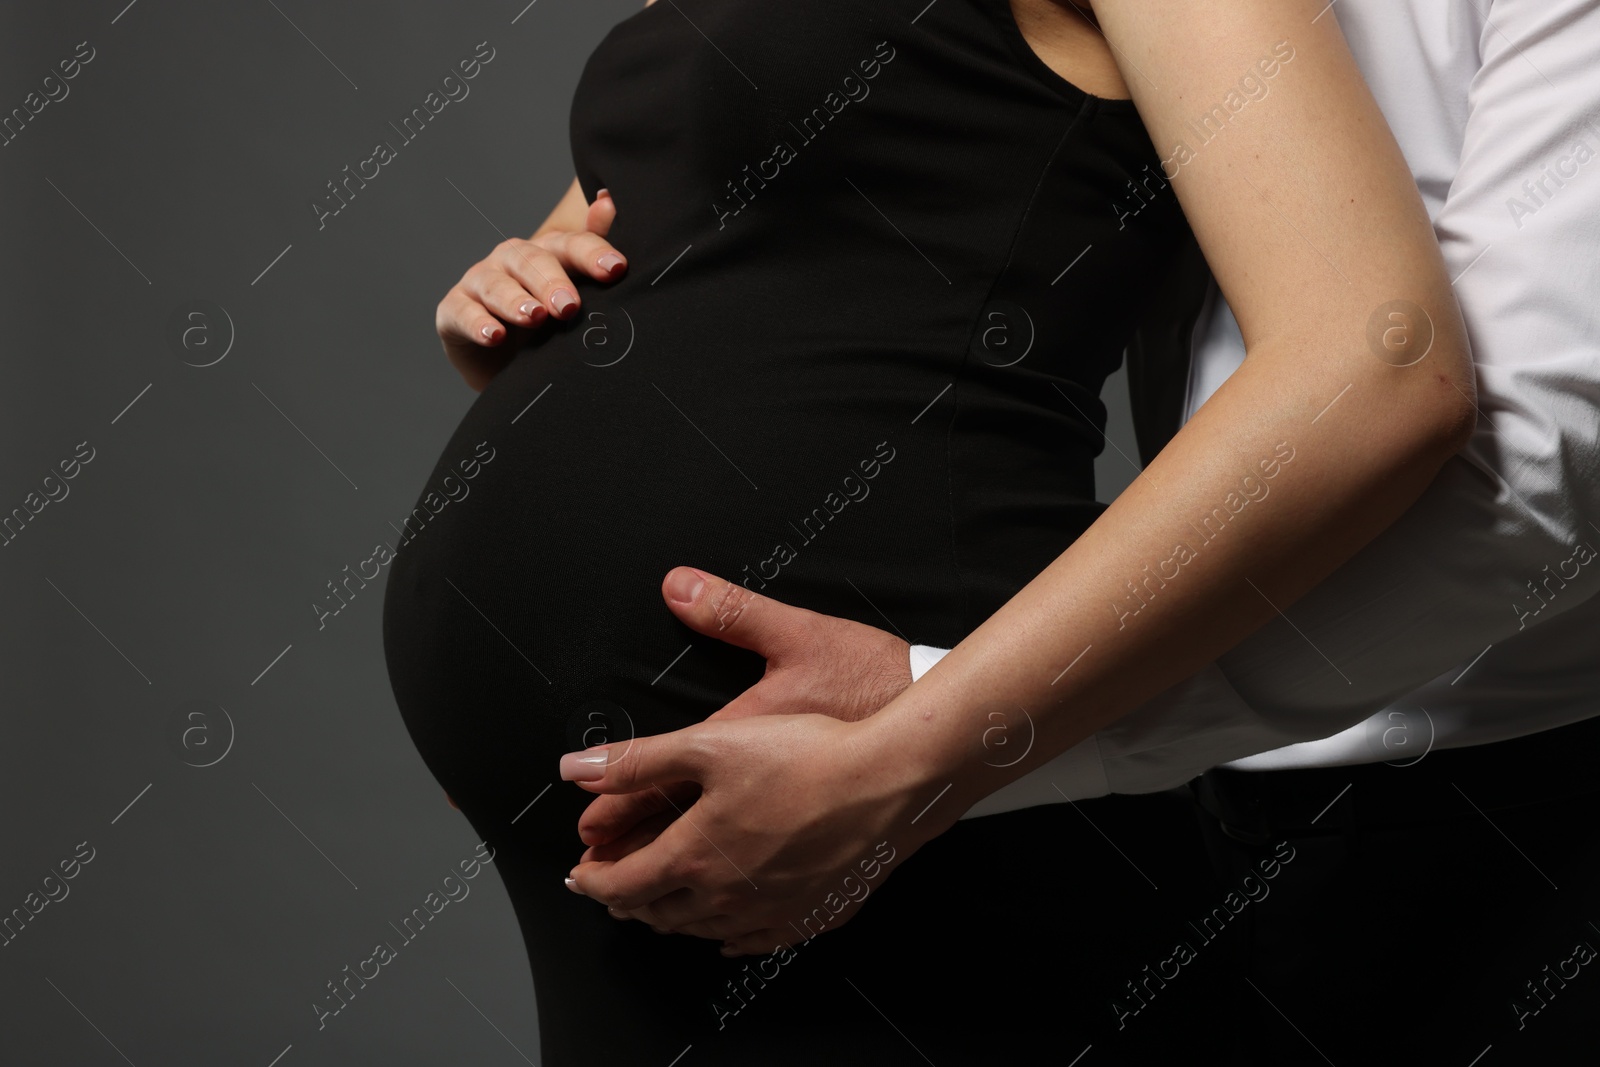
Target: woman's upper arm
point(1300, 198)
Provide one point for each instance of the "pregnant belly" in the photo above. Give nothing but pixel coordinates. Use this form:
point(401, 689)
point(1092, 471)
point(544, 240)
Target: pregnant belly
point(524, 618)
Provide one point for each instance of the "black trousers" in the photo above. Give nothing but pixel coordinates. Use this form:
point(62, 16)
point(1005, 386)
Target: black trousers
point(1010, 938)
point(1435, 912)
point(1368, 915)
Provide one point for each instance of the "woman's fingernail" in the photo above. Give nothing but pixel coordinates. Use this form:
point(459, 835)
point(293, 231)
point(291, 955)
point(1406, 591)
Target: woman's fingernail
point(610, 261)
point(729, 950)
point(683, 584)
point(572, 884)
point(602, 192)
point(586, 766)
point(561, 300)
point(617, 913)
point(489, 331)
point(529, 307)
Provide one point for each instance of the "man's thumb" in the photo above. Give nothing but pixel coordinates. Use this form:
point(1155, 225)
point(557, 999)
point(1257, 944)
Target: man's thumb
point(732, 613)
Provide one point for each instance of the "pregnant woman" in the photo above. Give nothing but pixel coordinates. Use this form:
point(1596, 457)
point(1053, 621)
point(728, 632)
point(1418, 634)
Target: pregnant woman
point(883, 257)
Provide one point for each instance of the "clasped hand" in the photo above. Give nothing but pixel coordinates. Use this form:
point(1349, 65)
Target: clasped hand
point(739, 828)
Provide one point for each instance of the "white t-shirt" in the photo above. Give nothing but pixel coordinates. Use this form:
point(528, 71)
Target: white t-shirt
point(1488, 581)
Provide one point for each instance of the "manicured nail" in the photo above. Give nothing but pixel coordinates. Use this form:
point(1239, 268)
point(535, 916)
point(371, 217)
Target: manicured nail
point(683, 584)
point(572, 884)
point(729, 950)
point(602, 192)
point(586, 766)
point(610, 261)
point(489, 331)
point(561, 300)
point(529, 307)
point(617, 913)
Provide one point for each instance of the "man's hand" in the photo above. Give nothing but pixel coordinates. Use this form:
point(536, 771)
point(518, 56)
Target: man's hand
point(797, 820)
point(521, 284)
point(816, 664)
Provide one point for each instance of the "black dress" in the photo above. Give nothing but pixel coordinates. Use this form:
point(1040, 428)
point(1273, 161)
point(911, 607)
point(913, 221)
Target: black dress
point(882, 259)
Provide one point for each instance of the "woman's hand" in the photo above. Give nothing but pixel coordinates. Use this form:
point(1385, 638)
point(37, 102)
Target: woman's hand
point(519, 285)
point(836, 809)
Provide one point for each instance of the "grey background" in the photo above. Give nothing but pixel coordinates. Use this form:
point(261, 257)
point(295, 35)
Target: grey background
point(179, 571)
